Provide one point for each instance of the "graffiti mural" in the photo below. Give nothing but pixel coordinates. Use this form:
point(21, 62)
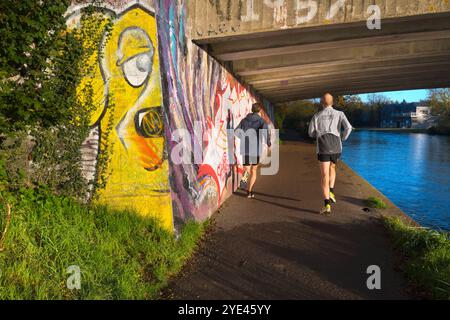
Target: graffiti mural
point(231, 104)
point(131, 84)
point(197, 89)
point(153, 80)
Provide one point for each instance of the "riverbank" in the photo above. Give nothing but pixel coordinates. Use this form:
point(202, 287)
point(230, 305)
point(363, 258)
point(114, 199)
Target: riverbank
point(432, 131)
point(424, 258)
point(423, 254)
point(398, 130)
point(276, 246)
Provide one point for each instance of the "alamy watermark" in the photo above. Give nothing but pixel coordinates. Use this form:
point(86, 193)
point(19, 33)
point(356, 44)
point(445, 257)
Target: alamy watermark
point(374, 280)
point(74, 280)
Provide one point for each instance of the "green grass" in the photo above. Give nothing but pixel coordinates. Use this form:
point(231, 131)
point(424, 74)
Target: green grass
point(376, 203)
point(121, 255)
point(425, 258)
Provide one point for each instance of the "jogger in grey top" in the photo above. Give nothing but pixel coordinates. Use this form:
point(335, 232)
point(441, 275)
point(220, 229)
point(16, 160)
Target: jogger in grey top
point(329, 121)
point(330, 128)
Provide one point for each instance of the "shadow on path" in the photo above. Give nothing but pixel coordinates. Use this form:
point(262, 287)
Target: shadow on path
point(263, 248)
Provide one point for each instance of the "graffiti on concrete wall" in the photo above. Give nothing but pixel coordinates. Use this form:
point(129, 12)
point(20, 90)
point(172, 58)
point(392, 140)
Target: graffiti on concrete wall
point(150, 81)
point(231, 103)
point(197, 89)
point(129, 79)
point(234, 17)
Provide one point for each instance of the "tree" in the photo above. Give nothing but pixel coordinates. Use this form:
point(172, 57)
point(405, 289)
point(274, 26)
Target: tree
point(375, 103)
point(280, 116)
point(295, 115)
point(439, 100)
point(353, 107)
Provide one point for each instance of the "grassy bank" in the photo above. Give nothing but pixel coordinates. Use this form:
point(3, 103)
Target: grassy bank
point(120, 255)
point(375, 203)
point(425, 258)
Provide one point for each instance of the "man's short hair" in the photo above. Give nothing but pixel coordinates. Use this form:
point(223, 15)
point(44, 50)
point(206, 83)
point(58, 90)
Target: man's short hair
point(256, 107)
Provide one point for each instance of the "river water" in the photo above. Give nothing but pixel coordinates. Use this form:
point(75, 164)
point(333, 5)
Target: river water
point(412, 170)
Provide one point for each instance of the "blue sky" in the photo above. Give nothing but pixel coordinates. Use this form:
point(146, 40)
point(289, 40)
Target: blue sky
point(408, 95)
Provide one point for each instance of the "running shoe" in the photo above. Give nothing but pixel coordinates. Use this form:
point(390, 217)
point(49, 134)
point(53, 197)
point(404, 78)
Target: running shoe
point(332, 197)
point(326, 210)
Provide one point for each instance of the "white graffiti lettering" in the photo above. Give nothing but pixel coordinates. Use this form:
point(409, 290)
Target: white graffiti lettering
point(306, 11)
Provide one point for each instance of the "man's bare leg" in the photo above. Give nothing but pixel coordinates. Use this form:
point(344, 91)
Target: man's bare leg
point(252, 179)
point(332, 175)
point(332, 182)
point(325, 179)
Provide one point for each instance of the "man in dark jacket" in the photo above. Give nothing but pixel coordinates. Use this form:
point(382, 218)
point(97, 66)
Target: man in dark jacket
point(254, 129)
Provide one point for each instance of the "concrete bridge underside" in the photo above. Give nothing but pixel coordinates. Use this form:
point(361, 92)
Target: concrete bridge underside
point(410, 51)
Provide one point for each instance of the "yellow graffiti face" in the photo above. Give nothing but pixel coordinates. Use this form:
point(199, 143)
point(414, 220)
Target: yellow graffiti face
point(130, 71)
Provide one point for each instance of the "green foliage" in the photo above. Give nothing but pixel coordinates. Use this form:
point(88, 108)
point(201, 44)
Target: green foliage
point(47, 97)
point(106, 147)
point(121, 255)
point(280, 116)
point(425, 258)
point(373, 108)
point(36, 64)
point(43, 120)
point(43, 63)
point(376, 203)
point(15, 158)
point(44, 157)
point(354, 109)
point(295, 115)
point(439, 100)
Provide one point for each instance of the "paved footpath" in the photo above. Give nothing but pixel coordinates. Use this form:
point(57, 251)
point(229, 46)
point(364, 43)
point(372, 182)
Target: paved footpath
point(277, 247)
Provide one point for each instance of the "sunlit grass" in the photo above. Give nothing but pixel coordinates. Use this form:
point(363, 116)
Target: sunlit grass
point(121, 255)
point(425, 257)
point(375, 203)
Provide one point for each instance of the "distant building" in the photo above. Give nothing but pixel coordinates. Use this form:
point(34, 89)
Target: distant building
point(407, 115)
point(423, 119)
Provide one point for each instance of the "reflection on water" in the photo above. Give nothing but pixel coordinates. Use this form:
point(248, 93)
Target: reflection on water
point(413, 170)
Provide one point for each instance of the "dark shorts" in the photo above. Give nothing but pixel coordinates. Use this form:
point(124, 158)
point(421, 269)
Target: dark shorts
point(251, 161)
point(329, 157)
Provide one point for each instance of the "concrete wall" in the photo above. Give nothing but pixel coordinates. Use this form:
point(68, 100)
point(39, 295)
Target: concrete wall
point(216, 18)
point(338, 49)
point(150, 82)
point(198, 90)
point(129, 100)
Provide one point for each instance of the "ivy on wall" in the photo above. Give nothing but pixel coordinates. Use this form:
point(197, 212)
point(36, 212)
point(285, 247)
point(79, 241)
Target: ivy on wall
point(36, 64)
point(43, 120)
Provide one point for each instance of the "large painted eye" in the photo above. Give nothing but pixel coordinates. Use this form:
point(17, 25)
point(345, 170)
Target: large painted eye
point(135, 56)
point(137, 69)
point(149, 122)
